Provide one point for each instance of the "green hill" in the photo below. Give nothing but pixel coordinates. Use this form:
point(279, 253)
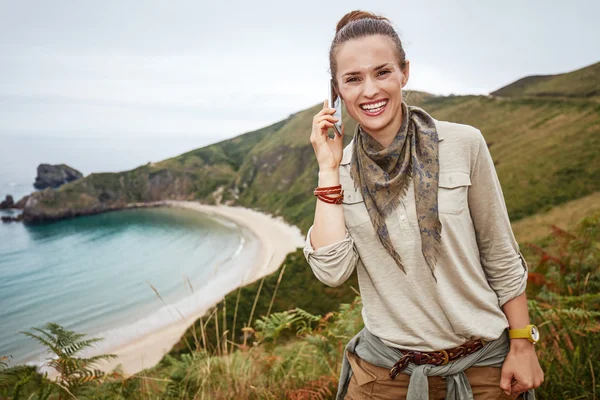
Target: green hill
point(583, 83)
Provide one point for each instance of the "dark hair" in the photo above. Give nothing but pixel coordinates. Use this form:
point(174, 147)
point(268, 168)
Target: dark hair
point(357, 24)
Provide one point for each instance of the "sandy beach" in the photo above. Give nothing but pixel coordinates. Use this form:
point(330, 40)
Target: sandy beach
point(277, 240)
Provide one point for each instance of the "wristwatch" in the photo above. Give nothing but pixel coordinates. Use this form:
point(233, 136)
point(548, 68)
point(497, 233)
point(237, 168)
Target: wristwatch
point(530, 332)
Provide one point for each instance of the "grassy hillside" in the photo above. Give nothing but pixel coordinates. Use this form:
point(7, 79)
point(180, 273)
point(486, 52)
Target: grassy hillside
point(545, 150)
point(193, 175)
point(536, 228)
point(583, 83)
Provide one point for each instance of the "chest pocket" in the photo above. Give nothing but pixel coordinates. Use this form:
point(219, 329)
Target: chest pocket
point(355, 209)
point(453, 192)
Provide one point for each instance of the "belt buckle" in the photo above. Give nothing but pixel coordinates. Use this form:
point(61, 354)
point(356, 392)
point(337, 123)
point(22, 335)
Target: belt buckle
point(446, 357)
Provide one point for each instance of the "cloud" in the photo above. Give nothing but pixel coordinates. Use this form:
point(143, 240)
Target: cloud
point(186, 66)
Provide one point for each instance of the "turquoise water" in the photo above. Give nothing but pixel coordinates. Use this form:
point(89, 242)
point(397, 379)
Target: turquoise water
point(93, 274)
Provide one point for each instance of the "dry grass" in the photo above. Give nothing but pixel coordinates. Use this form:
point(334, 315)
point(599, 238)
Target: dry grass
point(565, 216)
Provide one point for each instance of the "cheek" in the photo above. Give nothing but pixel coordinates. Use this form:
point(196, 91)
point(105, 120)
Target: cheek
point(349, 96)
point(393, 86)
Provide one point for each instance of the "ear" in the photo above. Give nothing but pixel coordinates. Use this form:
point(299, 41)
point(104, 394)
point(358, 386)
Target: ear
point(406, 73)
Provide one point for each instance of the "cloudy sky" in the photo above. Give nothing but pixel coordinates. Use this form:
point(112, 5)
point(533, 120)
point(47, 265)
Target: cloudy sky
point(219, 68)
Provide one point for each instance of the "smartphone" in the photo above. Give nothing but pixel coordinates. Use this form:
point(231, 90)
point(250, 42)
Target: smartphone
point(335, 102)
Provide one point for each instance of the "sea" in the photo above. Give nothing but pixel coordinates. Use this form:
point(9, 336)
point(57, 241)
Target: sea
point(118, 275)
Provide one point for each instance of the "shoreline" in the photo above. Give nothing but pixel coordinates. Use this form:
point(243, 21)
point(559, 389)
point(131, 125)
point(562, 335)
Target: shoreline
point(277, 239)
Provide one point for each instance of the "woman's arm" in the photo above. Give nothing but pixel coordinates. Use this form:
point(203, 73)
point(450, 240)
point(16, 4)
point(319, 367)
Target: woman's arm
point(499, 253)
point(329, 226)
point(505, 268)
point(521, 363)
point(329, 249)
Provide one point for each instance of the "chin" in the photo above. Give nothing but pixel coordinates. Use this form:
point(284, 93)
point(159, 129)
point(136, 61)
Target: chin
point(378, 123)
point(375, 126)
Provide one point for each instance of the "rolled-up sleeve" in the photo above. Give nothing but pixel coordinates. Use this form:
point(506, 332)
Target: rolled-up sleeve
point(501, 258)
point(332, 264)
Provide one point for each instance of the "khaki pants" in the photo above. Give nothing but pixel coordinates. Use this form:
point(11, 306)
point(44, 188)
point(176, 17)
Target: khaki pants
point(371, 382)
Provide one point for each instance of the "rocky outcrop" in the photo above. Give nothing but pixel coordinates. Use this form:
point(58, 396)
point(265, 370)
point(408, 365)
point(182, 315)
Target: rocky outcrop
point(98, 193)
point(19, 205)
point(35, 214)
point(55, 175)
point(7, 203)
point(8, 218)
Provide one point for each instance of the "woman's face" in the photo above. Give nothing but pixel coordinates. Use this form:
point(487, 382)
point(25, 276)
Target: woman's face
point(370, 82)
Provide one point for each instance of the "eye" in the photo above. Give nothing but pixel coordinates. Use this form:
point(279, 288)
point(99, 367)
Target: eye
point(382, 72)
point(351, 80)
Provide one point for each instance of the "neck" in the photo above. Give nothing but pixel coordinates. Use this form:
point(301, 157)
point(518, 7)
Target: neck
point(386, 135)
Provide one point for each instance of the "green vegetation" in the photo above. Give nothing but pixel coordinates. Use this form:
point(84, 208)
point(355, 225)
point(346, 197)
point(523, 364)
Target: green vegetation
point(584, 83)
point(281, 337)
point(74, 376)
point(294, 285)
point(296, 354)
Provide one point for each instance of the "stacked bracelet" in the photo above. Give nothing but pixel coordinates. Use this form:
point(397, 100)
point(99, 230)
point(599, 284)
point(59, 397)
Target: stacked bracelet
point(323, 193)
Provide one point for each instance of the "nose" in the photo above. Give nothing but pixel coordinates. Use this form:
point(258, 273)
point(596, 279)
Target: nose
point(370, 88)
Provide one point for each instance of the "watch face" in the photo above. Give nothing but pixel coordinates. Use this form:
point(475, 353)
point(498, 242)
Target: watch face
point(535, 334)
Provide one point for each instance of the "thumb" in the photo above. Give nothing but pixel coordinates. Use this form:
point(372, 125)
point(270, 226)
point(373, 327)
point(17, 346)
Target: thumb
point(505, 382)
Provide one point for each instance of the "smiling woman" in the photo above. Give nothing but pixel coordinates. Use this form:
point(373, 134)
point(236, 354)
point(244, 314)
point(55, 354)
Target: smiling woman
point(420, 215)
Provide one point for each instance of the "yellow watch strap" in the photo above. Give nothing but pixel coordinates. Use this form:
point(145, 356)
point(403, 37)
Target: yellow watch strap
point(524, 333)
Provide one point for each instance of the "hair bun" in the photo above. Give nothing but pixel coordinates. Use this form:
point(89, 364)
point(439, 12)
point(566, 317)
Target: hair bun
point(355, 16)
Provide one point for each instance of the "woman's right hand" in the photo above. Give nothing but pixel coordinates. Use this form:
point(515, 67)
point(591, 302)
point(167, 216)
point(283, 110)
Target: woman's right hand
point(328, 151)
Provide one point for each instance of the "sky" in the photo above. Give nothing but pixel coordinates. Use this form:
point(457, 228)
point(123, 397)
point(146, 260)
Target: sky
point(141, 68)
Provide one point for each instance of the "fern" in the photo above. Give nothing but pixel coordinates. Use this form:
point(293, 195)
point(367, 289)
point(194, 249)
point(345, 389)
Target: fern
point(75, 374)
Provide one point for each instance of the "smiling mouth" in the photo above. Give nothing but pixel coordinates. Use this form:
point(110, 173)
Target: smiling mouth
point(374, 108)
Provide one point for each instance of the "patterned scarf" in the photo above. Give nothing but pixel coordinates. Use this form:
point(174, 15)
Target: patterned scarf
point(383, 176)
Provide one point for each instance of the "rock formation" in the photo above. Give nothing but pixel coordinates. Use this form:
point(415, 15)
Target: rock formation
point(19, 205)
point(55, 175)
point(7, 203)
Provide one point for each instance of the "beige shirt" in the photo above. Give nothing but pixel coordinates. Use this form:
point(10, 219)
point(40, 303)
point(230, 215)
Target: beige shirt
point(480, 266)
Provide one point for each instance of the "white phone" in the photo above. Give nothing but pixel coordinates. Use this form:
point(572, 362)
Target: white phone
point(335, 102)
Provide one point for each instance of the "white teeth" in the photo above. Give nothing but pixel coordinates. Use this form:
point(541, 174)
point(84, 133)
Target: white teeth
point(373, 107)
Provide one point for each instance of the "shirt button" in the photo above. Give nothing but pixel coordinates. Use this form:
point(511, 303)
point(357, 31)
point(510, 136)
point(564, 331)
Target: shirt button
point(402, 217)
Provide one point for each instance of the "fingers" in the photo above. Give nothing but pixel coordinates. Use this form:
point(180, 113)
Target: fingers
point(324, 125)
point(322, 122)
point(327, 117)
point(319, 133)
point(505, 383)
point(525, 385)
point(325, 110)
point(519, 388)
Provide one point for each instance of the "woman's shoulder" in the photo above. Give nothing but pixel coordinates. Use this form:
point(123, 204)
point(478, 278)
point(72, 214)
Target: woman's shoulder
point(457, 132)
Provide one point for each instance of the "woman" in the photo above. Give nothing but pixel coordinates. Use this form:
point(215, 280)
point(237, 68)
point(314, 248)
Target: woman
point(415, 205)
